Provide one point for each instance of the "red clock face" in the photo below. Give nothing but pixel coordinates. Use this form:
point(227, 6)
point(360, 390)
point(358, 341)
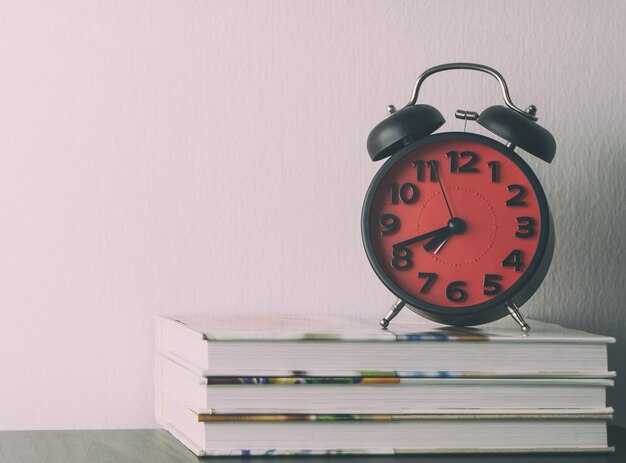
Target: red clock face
point(453, 224)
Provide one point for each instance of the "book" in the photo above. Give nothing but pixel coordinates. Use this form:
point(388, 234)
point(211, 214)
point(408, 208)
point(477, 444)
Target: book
point(387, 395)
point(356, 346)
point(381, 434)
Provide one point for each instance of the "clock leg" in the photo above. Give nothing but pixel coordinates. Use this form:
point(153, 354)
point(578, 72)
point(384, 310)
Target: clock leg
point(394, 310)
point(514, 311)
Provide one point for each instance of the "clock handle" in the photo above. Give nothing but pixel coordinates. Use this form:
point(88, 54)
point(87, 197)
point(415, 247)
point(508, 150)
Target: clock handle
point(394, 310)
point(471, 67)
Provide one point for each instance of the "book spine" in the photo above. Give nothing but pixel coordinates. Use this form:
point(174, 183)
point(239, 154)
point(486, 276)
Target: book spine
point(182, 344)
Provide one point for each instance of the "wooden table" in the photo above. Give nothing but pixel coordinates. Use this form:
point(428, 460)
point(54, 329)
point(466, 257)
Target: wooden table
point(157, 446)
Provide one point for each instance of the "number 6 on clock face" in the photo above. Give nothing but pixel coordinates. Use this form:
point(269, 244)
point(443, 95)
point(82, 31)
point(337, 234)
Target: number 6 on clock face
point(457, 225)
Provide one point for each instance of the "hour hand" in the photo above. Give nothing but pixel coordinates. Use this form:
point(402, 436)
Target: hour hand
point(437, 240)
point(425, 236)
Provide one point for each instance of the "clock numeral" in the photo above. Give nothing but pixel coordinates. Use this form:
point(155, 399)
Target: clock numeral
point(491, 287)
point(407, 193)
point(402, 258)
point(516, 199)
point(421, 166)
point(495, 171)
point(454, 162)
point(430, 280)
point(455, 291)
point(514, 260)
point(389, 224)
point(526, 226)
point(468, 167)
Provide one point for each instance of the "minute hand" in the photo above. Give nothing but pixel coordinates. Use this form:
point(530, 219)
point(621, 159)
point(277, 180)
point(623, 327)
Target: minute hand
point(434, 170)
point(417, 239)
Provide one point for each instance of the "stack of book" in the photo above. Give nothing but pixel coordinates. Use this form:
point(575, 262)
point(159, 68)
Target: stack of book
point(291, 385)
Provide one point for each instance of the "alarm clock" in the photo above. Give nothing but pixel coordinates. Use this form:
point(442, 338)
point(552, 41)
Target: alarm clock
point(455, 224)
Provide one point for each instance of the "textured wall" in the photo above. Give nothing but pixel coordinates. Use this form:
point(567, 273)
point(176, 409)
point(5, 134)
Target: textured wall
point(167, 157)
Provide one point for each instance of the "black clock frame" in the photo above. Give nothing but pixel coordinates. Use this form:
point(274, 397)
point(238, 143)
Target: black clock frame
point(492, 309)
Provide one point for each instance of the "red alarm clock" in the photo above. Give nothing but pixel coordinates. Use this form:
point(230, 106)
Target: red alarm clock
point(456, 224)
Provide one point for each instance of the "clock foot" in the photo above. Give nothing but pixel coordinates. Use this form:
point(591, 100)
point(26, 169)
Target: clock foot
point(394, 310)
point(514, 311)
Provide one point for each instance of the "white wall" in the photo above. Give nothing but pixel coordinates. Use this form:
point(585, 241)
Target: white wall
point(204, 156)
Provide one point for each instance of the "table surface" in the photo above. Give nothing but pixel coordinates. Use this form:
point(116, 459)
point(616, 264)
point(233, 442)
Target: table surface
point(157, 446)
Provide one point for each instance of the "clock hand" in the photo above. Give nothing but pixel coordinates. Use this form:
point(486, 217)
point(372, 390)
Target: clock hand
point(434, 169)
point(417, 239)
point(455, 226)
point(438, 240)
point(441, 246)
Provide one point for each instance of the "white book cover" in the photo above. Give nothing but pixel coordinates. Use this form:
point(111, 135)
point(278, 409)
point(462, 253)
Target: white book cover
point(362, 394)
point(358, 328)
point(509, 432)
point(357, 346)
